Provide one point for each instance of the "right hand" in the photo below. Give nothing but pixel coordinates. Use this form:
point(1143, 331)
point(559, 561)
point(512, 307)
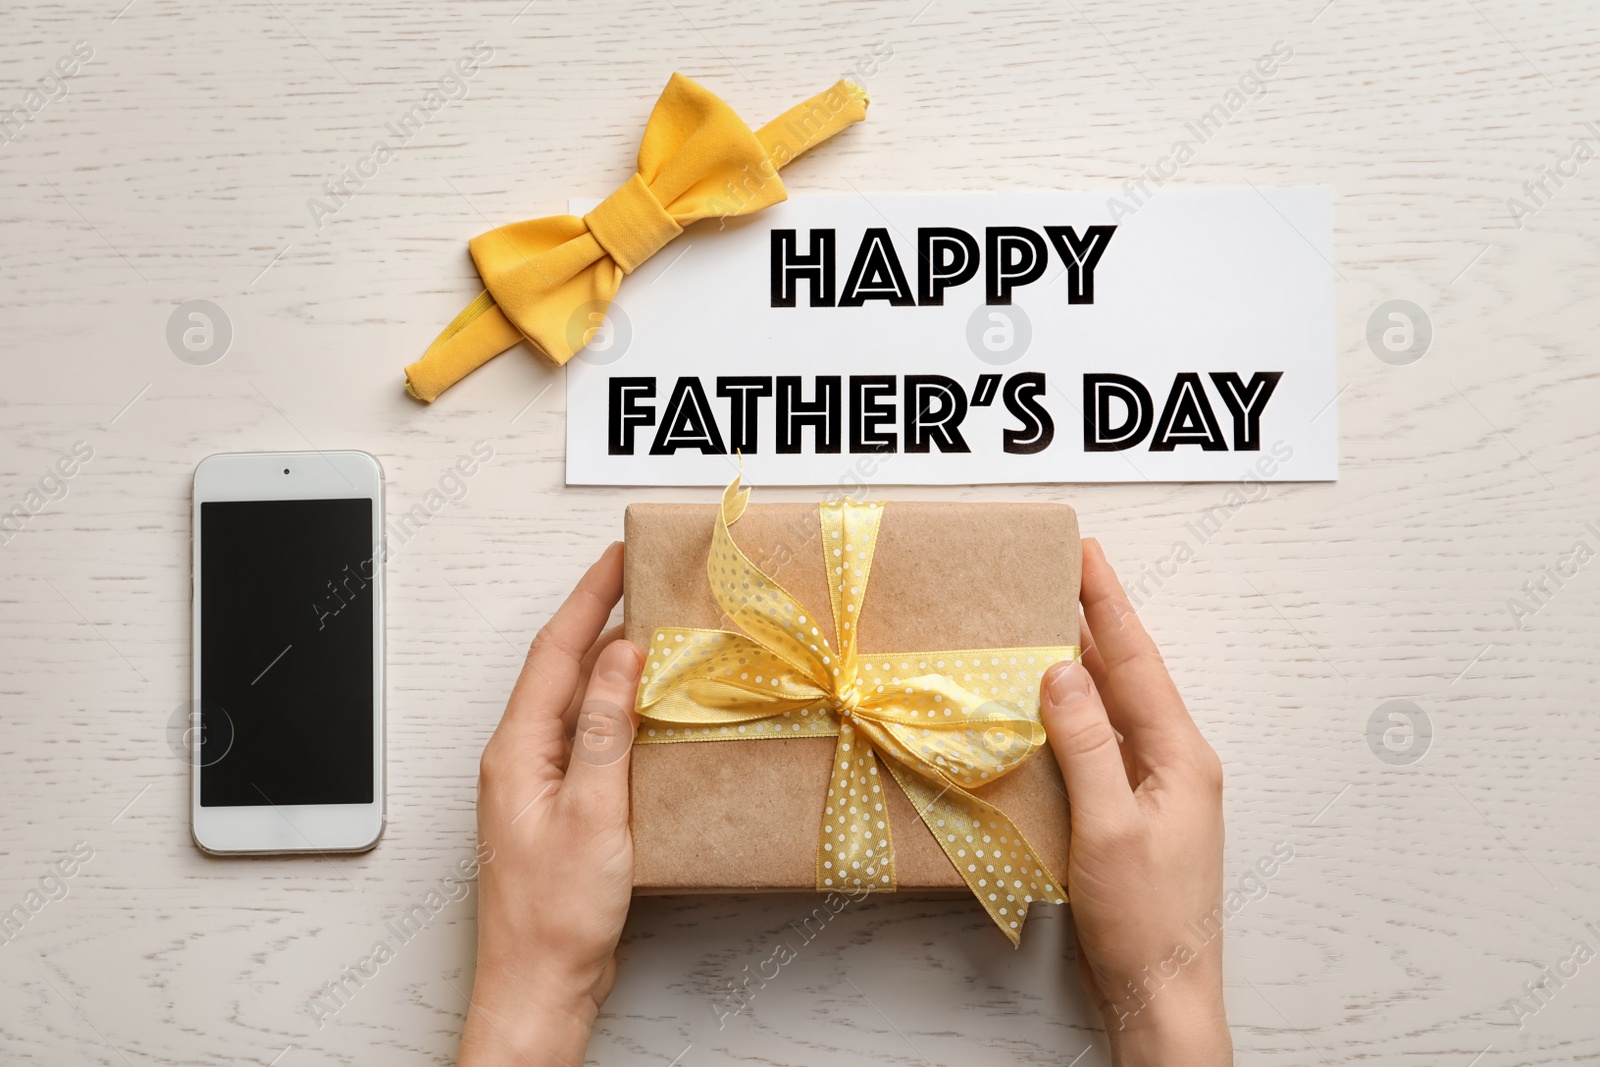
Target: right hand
point(1144, 868)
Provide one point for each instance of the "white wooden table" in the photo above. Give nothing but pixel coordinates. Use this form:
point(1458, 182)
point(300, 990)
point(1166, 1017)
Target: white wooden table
point(177, 166)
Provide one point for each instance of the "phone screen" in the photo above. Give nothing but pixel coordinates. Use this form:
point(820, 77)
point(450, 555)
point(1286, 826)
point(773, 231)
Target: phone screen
point(286, 654)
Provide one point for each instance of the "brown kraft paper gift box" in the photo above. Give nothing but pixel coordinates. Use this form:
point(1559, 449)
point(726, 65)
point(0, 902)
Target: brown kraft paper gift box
point(739, 816)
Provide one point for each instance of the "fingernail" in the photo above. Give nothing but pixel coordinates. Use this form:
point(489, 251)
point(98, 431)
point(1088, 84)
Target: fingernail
point(611, 669)
point(1066, 681)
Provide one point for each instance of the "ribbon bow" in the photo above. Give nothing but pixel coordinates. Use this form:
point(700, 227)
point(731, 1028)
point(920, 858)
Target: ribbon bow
point(943, 723)
point(550, 280)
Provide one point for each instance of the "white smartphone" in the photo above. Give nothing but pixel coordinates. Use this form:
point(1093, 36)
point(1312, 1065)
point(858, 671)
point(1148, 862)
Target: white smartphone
point(287, 723)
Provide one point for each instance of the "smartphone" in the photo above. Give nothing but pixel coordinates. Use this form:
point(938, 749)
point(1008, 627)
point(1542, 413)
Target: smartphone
point(286, 728)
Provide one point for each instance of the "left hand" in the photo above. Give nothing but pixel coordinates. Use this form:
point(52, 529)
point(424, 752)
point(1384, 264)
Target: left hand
point(554, 888)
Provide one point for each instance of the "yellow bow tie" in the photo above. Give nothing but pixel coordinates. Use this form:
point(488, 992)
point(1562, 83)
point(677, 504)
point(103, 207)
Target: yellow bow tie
point(550, 280)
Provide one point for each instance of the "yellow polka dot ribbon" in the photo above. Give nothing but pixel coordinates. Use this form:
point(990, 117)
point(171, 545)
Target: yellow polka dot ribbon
point(943, 723)
point(549, 281)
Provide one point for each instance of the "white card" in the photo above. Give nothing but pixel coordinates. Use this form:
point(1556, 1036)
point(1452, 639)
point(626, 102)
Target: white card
point(971, 338)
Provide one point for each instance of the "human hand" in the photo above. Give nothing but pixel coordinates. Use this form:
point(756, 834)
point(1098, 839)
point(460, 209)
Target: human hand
point(553, 808)
point(1144, 869)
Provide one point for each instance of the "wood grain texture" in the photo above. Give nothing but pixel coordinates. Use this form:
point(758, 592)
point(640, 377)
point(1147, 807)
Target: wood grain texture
point(178, 165)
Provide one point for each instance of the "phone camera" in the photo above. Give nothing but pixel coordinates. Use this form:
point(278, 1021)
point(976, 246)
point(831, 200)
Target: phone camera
point(286, 470)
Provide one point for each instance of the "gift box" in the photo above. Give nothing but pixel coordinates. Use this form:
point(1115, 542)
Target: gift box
point(999, 580)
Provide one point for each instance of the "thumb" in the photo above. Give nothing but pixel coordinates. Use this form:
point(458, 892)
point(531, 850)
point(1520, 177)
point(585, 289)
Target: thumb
point(1085, 745)
point(603, 734)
